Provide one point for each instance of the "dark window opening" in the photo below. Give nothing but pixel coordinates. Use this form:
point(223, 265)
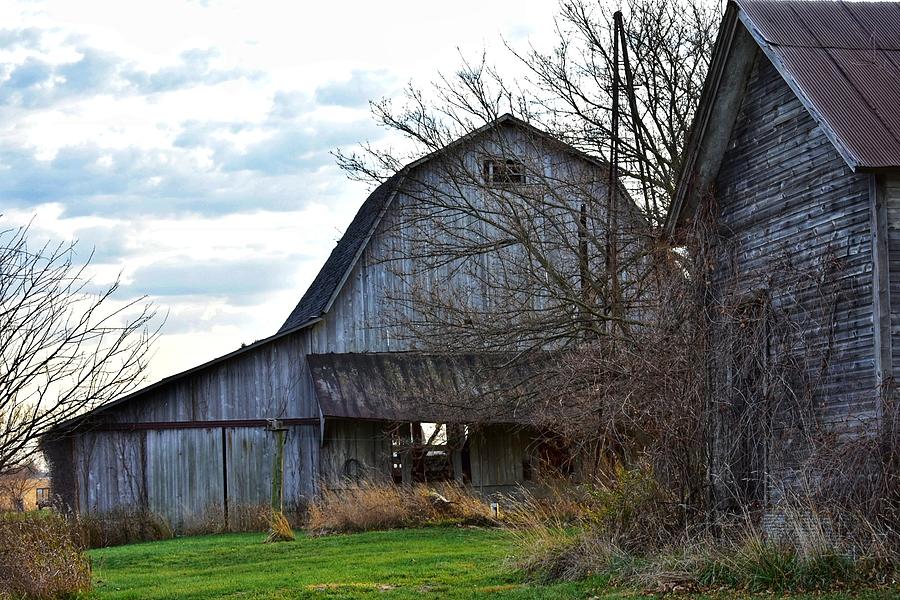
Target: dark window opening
point(503, 172)
point(428, 452)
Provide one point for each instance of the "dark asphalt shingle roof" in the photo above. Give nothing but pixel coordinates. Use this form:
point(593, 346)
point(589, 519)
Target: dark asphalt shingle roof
point(843, 60)
point(315, 301)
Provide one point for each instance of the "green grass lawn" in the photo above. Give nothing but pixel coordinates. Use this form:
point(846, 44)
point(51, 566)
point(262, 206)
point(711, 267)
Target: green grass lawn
point(415, 563)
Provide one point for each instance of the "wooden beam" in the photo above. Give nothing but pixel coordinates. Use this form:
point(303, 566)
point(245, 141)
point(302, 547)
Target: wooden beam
point(881, 289)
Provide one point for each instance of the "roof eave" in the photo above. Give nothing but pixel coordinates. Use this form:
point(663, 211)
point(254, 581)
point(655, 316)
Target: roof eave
point(73, 423)
point(708, 96)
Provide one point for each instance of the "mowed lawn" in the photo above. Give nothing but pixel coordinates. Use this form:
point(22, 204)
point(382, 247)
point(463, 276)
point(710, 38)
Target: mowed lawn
point(415, 563)
point(445, 562)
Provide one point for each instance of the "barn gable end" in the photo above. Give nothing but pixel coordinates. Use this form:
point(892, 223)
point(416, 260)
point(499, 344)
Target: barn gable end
point(804, 207)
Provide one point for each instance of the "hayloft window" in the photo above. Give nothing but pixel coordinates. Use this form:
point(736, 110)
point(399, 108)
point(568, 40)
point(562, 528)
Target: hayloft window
point(498, 171)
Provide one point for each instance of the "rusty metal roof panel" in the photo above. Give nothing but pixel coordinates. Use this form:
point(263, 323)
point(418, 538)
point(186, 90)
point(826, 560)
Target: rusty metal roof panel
point(424, 387)
point(871, 17)
point(842, 58)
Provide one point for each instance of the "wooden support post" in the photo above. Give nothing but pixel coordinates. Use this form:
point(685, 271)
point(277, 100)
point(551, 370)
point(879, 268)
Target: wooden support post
point(455, 442)
point(406, 455)
point(278, 467)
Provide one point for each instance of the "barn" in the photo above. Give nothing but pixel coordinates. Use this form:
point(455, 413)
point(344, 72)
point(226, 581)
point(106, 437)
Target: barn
point(341, 391)
point(792, 173)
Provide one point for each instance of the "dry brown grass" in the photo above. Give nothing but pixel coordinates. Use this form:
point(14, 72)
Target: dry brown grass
point(40, 558)
point(120, 527)
point(814, 549)
point(373, 506)
point(279, 528)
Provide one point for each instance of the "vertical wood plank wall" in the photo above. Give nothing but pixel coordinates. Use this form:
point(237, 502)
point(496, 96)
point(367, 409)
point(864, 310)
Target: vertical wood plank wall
point(182, 473)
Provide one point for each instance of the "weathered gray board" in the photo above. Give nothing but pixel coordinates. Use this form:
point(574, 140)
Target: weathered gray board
point(498, 454)
point(890, 187)
point(181, 474)
point(783, 191)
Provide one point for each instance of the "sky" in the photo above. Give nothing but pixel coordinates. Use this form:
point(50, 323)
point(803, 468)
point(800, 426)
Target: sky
point(187, 145)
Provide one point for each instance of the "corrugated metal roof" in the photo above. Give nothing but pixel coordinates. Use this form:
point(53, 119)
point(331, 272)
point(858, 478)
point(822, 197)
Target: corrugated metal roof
point(424, 387)
point(843, 59)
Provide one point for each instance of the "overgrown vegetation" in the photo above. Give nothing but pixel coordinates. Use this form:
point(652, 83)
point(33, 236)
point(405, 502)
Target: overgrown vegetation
point(119, 527)
point(279, 528)
point(41, 557)
point(627, 529)
point(370, 506)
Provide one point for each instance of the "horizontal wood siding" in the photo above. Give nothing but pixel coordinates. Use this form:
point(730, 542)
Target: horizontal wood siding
point(890, 187)
point(785, 197)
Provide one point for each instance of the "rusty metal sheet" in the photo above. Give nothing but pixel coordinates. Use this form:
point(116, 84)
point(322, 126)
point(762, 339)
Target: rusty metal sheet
point(844, 56)
point(413, 386)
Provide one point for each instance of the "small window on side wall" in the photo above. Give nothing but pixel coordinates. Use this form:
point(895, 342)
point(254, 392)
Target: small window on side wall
point(503, 172)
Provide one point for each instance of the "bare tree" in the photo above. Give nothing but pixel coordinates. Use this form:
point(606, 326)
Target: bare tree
point(667, 48)
point(507, 247)
point(64, 347)
point(586, 251)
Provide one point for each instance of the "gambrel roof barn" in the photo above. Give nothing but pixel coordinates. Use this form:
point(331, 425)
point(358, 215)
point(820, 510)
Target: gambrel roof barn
point(793, 172)
point(341, 377)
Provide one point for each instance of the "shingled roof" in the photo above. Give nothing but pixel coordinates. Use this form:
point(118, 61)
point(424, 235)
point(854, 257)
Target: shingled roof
point(328, 282)
point(841, 59)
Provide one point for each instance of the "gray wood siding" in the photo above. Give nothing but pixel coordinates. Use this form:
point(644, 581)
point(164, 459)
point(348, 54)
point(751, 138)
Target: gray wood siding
point(497, 457)
point(890, 187)
point(185, 482)
point(364, 442)
point(783, 192)
point(268, 382)
point(178, 473)
point(363, 317)
point(184, 466)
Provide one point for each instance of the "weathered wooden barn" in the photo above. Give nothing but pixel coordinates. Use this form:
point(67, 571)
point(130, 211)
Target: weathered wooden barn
point(792, 174)
point(343, 380)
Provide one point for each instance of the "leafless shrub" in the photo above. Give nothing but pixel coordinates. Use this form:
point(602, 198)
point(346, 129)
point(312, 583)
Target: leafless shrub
point(41, 558)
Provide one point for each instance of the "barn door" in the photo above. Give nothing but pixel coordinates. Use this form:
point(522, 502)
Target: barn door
point(742, 437)
point(249, 456)
point(184, 476)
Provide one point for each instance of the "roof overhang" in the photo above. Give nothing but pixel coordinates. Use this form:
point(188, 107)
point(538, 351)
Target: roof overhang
point(720, 101)
point(422, 387)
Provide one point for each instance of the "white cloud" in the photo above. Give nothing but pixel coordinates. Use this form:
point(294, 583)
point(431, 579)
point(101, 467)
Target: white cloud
point(188, 144)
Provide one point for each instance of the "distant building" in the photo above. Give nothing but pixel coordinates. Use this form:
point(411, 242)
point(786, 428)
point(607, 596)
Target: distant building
point(24, 489)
